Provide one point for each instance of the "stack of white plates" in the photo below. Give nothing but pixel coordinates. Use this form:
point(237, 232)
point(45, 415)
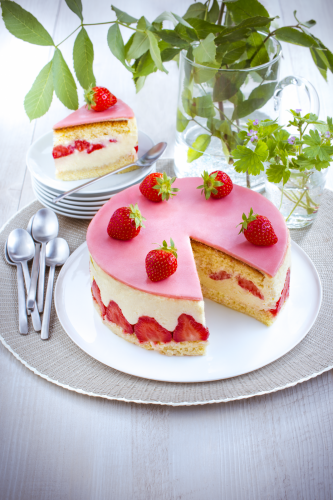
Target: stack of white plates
point(86, 203)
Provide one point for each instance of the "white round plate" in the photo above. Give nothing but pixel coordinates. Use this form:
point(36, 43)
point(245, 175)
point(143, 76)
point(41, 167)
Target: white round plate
point(66, 211)
point(41, 165)
point(79, 198)
point(73, 205)
point(238, 344)
point(57, 210)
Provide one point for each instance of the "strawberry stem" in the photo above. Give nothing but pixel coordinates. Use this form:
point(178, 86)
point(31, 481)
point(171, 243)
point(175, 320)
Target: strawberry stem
point(164, 186)
point(246, 220)
point(210, 184)
point(172, 249)
point(136, 215)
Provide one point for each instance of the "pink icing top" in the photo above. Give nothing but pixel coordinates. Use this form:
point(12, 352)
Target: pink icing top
point(120, 111)
point(188, 214)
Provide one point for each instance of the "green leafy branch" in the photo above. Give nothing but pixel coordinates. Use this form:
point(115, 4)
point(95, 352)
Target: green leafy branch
point(232, 36)
point(266, 141)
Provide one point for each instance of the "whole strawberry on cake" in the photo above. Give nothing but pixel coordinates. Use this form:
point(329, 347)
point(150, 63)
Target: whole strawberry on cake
point(153, 297)
point(96, 139)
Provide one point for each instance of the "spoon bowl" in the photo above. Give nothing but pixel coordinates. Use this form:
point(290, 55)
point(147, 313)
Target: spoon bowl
point(20, 246)
point(57, 252)
point(45, 225)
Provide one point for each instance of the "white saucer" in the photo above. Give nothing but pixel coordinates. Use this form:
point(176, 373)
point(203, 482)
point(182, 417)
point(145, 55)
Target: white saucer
point(41, 165)
point(71, 205)
point(238, 344)
point(77, 197)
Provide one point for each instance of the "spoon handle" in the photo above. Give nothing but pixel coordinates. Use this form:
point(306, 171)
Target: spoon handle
point(34, 276)
point(41, 279)
point(23, 319)
point(34, 314)
point(48, 305)
point(78, 188)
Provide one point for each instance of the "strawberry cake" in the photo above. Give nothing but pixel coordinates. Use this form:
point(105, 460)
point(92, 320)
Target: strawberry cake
point(214, 261)
point(88, 143)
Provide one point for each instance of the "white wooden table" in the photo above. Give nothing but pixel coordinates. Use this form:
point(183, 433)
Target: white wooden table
point(56, 444)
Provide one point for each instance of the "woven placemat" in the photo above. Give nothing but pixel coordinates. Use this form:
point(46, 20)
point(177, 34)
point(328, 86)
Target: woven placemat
point(60, 361)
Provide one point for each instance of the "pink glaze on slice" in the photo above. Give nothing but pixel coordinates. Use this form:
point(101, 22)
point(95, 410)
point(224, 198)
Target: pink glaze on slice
point(120, 111)
point(188, 214)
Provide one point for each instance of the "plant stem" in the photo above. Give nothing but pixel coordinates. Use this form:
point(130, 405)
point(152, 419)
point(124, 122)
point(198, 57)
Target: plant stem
point(69, 35)
point(219, 21)
point(272, 33)
point(200, 125)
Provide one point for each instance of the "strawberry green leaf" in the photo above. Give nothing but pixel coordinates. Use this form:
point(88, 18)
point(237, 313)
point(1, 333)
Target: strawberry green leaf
point(123, 17)
point(251, 161)
point(277, 172)
point(83, 57)
point(182, 122)
point(199, 146)
point(38, 100)
point(315, 148)
point(155, 51)
point(116, 45)
point(24, 25)
point(76, 7)
point(63, 81)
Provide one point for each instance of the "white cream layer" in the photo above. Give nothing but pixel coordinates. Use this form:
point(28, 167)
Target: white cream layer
point(112, 153)
point(271, 288)
point(135, 303)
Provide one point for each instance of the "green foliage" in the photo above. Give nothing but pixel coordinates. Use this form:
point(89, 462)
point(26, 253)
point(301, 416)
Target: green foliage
point(123, 17)
point(20, 23)
point(83, 57)
point(316, 148)
point(292, 35)
point(38, 100)
point(198, 148)
point(249, 160)
point(63, 81)
point(155, 51)
point(76, 7)
point(277, 172)
point(237, 42)
point(205, 52)
point(182, 122)
point(116, 45)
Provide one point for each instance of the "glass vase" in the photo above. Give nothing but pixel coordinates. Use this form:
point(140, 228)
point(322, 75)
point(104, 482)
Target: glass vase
point(299, 199)
point(215, 104)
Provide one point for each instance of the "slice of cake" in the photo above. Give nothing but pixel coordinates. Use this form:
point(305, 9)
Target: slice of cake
point(88, 143)
point(214, 261)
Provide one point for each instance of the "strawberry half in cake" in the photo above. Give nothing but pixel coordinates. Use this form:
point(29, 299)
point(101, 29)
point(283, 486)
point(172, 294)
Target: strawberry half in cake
point(90, 143)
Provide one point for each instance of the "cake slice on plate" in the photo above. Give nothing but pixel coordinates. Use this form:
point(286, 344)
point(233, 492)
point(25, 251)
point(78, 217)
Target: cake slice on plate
point(90, 143)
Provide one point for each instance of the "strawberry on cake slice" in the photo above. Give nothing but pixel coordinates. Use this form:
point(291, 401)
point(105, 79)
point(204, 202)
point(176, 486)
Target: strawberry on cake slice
point(96, 139)
point(156, 296)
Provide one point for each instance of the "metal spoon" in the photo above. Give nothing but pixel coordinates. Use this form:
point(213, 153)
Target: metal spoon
point(145, 161)
point(23, 319)
point(29, 229)
point(21, 249)
point(45, 227)
point(57, 252)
